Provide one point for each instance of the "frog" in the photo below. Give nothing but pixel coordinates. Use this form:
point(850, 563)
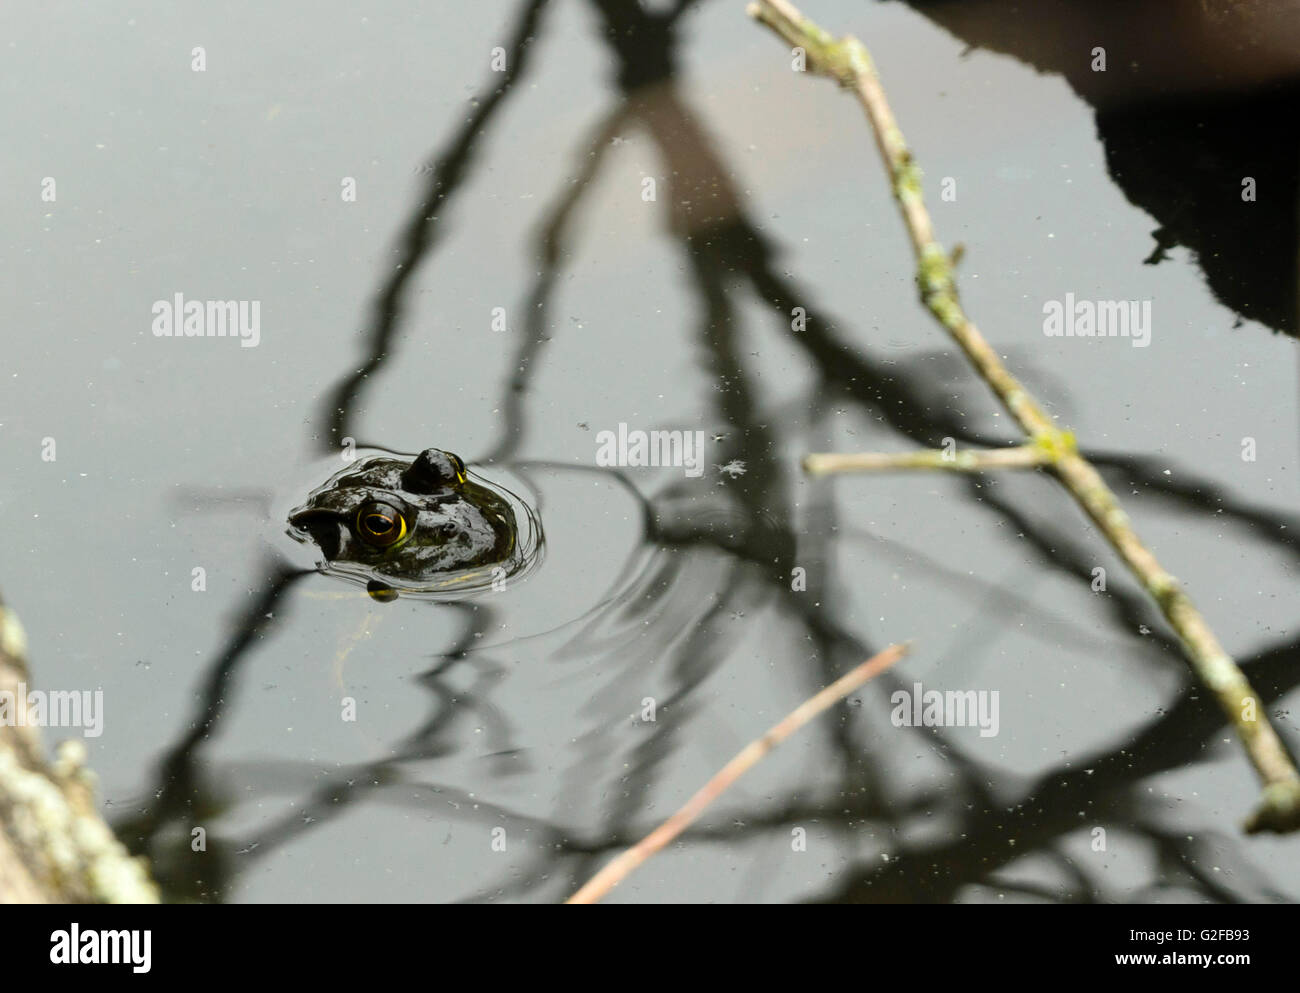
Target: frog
point(421, 525)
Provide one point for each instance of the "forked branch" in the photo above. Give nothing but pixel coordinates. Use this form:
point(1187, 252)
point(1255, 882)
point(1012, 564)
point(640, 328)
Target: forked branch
point(847, 61)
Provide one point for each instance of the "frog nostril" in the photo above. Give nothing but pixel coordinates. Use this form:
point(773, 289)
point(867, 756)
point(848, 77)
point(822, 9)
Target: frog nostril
point(325, 530)
point(320, 525)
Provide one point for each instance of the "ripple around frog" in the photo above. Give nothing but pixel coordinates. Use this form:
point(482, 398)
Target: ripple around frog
point(452, 585)
point(598, 555)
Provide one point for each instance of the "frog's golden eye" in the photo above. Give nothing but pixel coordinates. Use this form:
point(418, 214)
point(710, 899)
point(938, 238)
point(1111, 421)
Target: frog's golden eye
point(459, 466)
point(381, 524)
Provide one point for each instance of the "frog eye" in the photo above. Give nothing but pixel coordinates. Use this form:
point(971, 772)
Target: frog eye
point(459, 466)
point(381, 524)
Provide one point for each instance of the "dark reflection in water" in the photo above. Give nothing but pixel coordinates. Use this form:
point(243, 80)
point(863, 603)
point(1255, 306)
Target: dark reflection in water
point(183, 795)
point(750, 532)
point(1194, 100)
point(1185, 163)
point(420, 236)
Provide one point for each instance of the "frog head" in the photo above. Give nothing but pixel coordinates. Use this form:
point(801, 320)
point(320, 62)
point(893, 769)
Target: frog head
point(408, 524)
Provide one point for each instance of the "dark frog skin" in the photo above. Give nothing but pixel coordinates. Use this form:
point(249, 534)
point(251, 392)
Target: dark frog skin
point(421, 525)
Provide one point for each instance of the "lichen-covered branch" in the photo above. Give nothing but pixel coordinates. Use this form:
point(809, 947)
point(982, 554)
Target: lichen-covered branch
point(847, 61)
point(54, 846)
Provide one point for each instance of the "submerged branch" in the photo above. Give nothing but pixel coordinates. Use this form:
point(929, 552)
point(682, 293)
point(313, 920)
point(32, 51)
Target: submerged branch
point(616, 871)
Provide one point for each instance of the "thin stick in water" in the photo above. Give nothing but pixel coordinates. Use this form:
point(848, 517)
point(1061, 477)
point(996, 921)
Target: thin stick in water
point(621, 867)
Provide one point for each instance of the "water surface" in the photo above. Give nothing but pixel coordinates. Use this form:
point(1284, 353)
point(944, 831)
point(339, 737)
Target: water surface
point(522, 718)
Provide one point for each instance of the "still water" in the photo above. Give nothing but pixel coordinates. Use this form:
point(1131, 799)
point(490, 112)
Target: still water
point(615, 230)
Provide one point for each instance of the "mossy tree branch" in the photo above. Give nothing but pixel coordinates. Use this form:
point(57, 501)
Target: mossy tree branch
point(54, 846)
point(847, 61)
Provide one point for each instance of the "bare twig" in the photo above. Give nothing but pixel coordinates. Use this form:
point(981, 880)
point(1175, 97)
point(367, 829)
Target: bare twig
point(968, 460)
point(847, 61)
point(616, 871)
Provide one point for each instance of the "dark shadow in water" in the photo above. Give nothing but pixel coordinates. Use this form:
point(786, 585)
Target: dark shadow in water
point(550, 247)
point(185, 798)
point(1102, 787)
